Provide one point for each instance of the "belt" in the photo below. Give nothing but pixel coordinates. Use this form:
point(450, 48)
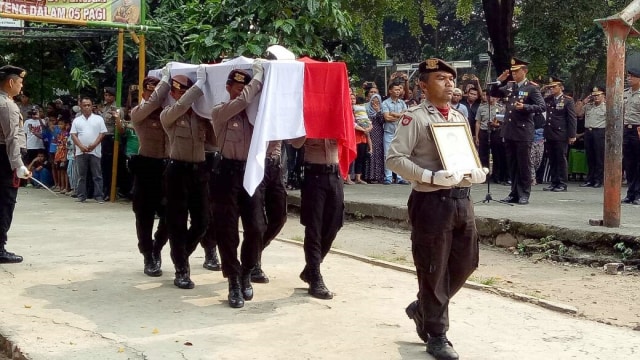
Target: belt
point(321, 168)
point(187, 165)
point(593, 129)
point(454, 193)
point(272, 161)
point(630, 126)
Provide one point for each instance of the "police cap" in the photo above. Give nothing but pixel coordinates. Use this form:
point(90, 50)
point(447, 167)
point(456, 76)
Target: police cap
point(597, 90)
point(8, 70)
point(181, 82)
point(110, 90)
point(434, 65)
point(517, 64)
point(634, 71)
point(149, 83)
point(553, 81)
point(238, 76)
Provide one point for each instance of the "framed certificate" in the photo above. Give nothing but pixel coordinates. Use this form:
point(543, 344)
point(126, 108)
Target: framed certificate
point(455, 146)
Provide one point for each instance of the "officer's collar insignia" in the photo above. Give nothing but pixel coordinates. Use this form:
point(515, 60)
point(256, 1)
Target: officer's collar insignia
point(238, 77)
point(432, 64)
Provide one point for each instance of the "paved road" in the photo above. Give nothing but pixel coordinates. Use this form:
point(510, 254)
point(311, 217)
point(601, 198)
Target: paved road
point(81, 294)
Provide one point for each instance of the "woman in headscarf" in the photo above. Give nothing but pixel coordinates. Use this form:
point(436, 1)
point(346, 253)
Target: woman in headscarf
point(375, 171)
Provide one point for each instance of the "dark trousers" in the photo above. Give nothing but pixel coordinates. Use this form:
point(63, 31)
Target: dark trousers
point(499, 171)
point(518, 159)
point(231, 202)
point(557, 152)
point(445, 253)
point(321, 211)
point(359, 166)
point(89, 165)
point(8, 195)
point(209, 241)
point(106, 163)
point(594, 148)
point(631, 155)
point(295, 159)
point(149, 200)
point(187, 196)
point(275, 201)
point(483, 147)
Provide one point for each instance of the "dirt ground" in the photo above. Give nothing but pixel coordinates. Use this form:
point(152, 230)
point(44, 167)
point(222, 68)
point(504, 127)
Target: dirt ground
point(611, 299)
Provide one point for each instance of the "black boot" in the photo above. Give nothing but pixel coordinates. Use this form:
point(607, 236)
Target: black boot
point(317, 288)
point(303, 274)
point(157, 259)
point(7, 257)
point(441, 348)
point(235, 295)
point(183, 279)
point(247, 289)
point(211, 261)
point(413, 312)
point(258, 276)
point(150, 267)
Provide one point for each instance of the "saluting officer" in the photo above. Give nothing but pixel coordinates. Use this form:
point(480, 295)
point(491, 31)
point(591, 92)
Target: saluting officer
point(630, 139)
point(12, 139)
point(230, 200)
point(148, 169)
point(523, 99)
point(595, 121)
point(275, 204)
point(559, 133)
point(186, 175)
point(487, 124)
point(443, 229)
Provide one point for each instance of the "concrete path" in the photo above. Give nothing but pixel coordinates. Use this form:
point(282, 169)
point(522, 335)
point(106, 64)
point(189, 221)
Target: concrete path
point(81, 294)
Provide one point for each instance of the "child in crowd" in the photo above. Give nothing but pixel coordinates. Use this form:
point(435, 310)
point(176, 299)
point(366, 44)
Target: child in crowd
point(60, 161)
point(39, 167)
point(52, 133)
point(72, 172)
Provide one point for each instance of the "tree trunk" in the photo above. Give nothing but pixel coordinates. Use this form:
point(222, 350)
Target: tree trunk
point(499, 17)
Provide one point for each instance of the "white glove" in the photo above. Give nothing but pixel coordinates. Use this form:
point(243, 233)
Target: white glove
point(478, 175)
point(201, 76)
point(258, 69)
point(23, 173)
point(442, 177)
point(166, 73)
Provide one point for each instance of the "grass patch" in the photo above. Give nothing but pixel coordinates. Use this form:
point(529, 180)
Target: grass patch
point(488, 281)
point(298, 238)
point(394, 259)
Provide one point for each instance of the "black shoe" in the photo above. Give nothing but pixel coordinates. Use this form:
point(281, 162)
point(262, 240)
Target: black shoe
point(412, 313)
point(523, 201)
point(317, 288)
point(303, 275)
point(597, 184)
point(182, 280)
point(7, 257)
point(235, 295)
point(627, 200)
point(258, 276)
point(150, 267)
point(560, 188)
point(157, 258)
point(510, 199)
point(636, 202)
point(441, 348)
point(247, 289)
point(587, 184)
point(211, 261)
point(549, 188)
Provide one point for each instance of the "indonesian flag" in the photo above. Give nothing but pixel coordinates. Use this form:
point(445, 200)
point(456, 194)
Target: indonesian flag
point(304, 97)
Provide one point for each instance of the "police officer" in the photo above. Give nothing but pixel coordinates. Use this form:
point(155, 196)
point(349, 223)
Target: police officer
point(595, 119)
point(148, 169)
point(12, 139)
point(230, 200)
point(559, 133)
point(275, 204)
point(486, 124)
point(523, 99)
point(443, 233)
point(630, 139)
point(186, 175)
point(109, 112)
point(209, 241)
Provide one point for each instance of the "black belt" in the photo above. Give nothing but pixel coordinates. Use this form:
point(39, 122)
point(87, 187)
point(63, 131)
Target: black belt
point(321, 168)
point(629, 126)
point(187, 165)
point(594, 129)
point(272, 161)
point(454, 193)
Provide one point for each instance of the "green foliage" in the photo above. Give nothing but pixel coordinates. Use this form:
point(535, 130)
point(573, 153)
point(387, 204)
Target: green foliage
point(624, 251)
point(84, 77)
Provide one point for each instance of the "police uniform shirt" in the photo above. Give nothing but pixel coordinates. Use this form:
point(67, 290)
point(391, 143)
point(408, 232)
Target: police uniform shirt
point(413, 149)
point(145, 117)
point(561, 118)
point(595, 116)
point(320, 151)
point(484, 116)
point(231, 125)
point(187, 131)
point(11, 130)
point(109, 120)
point(631, 107)
point(518, 124)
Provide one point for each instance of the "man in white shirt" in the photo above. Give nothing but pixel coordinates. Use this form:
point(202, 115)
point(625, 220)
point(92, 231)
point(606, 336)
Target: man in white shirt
point(33, 128)
point(87, 132)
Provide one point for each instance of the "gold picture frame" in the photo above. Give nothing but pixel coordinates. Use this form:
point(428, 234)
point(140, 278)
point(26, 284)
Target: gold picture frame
point(455, 146)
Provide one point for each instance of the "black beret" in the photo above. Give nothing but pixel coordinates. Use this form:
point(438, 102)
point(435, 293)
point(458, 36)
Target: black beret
point(7, 70)
point(435, 64)
point(181, 82)
point(238, 76)
point(634, 71)
point(110, 90)
point(149, 81)
point(516, 63)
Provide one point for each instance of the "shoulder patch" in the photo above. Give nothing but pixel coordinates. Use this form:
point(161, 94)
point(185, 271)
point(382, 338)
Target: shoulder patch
point(406, 120)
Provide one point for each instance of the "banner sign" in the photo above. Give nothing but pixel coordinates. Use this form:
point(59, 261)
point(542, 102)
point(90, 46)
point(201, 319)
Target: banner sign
point(118, 11)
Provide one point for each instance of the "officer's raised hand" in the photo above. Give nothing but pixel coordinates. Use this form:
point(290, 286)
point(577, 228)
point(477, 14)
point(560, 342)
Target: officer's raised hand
point(504, 76)
point(258, 69)
point(165, 73)
point(442, 177)
point(201, 76)
point(478, 175)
